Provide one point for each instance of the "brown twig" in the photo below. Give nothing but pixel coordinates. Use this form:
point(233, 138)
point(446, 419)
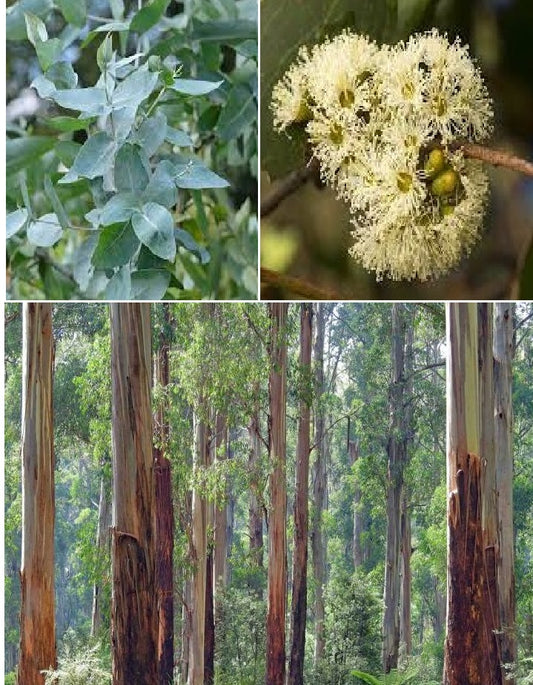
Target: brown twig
point(497, 158)
point(298, 287)
point(288, 185)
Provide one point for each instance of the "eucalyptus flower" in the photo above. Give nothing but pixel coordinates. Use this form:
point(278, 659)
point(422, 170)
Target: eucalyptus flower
point(383, 124)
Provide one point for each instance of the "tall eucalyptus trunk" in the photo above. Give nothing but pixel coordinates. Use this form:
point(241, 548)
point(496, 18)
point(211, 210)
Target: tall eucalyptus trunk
point(134, 629)
point(277, 529)
point(301, 512)
point(37, 619)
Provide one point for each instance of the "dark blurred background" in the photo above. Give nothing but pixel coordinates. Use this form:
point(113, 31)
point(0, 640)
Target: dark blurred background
point(308, 235)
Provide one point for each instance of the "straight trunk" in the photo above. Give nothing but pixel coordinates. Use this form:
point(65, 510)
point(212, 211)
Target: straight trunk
point(471, 646)
point(199, 551)
point(255, 514)
point(277, 531)
point(503, 412)
point(164, 515)
point(400, 407)
point(37, 619)
point(301, 514)
point(405, 591)
point(358, 523)
point(221, 513)
point(186, 631)
point(318, 543)
point(134, 611)
point(102, 545)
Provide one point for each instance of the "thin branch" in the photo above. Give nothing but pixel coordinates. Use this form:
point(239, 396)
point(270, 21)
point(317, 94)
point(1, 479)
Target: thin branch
point(497, 158)
point(298, 287)
point(355, 412)
point(288, 185)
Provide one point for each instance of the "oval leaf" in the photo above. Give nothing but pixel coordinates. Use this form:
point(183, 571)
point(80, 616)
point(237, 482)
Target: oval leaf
point(195, 87)
point(15, 221)
point(45, 231)
point(154, 227)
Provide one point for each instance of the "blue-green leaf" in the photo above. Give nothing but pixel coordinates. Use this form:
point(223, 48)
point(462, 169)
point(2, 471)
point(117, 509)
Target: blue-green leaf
point(195, 87)
point(134, 89)
point(233, 30)
point(193, 174)
point(91, 101)
point(119, 287)
point(161, 188)
point(56, 203)
point(82, 268)
point(177, 137)
point(152, 132)
point(130, 173)
point(48, 52)
point(239, 112)
point(116, 246)
point(35, 29)
point(15, 221)
point(189, 243)
point(74, 12)
point(148, 16)
point(154, 227)
point(119, 208)
point(15, 20)
point(23, 152)
point(62, 75)
point(45, 231)
point(94, 159)
point(149, 284)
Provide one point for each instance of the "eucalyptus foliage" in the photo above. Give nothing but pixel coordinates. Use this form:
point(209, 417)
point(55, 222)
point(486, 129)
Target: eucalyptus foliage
point(138, 181)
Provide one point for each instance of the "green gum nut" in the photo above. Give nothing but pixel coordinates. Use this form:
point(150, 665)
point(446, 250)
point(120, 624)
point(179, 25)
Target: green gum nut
point(445, 183)
point(446, 210)
point(435, 163)
point(304, 114)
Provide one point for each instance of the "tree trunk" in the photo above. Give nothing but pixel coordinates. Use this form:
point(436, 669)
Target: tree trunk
point(37, 620)
point(164, 514)
point(186, 631)
point(134, 611)
point(102, 545)
point(503, 412)
point(358, 524)
point(471, 646)
point(199, 542)
point(400, 409)
point(301, 514)
point(221, 513)
point(405, 590)
point(255, 513)
point(277, 531)
point(318, 542)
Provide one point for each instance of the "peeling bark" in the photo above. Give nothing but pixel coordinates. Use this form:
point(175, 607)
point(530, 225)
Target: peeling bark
point(134, 611)
point(37, 619)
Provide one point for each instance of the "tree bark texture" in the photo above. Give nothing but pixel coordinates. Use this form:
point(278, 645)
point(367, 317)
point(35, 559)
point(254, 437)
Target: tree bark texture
point(134, 604)
point(400, 429)
point(318, 543)
point(37, 620)
point(471, 645)
point(199, 552)
point(405, 569)
point(301, 513)
point(503, 440)
point(277, 532)
point(164, 514)
point(221, 513)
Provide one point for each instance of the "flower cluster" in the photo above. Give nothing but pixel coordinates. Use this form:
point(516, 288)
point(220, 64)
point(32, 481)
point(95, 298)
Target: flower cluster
point(384, 124)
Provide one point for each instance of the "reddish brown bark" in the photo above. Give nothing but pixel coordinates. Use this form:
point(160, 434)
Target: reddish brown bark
point(164, 515)
point(255, 514)
point(277, 534)
point(37, 620)
point(301, 514)
point(134, 606)
point(471, 646)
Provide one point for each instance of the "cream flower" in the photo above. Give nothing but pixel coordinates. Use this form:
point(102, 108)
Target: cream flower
point(383, 123)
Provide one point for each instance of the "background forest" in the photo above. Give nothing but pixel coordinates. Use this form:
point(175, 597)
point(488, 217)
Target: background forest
point(361, 402)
